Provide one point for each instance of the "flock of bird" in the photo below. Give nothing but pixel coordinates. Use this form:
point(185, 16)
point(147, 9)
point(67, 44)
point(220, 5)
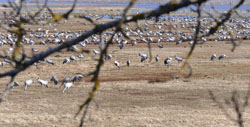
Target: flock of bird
point(66, 82)
point(148, 32)
point(69, 81)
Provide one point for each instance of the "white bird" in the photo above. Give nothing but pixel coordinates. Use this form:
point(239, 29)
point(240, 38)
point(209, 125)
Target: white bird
point(178, 59)
point(67, 86)
point(167, 61)
point(43, 82)
point(80, 56)
point(72, 58)
point(117, 64)
point(128, 63)
point(66, 60)
point(27, 83)
point(49, 61)
point(156, 58)
point(83, 44)
point(96, 52)
point(54, 79)
point(7, 60)
point(34, 50)
point(221, 57)
point(213, 57)
point(65, 80)
point(143, 57)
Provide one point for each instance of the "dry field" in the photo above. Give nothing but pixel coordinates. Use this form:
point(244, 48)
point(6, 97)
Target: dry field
point(142, 95)
point(129, 97)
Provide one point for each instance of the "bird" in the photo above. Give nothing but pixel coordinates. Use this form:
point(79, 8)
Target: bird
point(109, 56)
point(178, 42)
point(43, 82)
point(67, 86)
point(66, 60)
point(117, 64)
point(34, 50)
point(96, 52)
point(77, 77)
point(12, 85)
point(80, 56)
point(49, 61)
point(121, 45)
point(221, 57)
point(143, 57)
point(128, 63)
point(156, 58)
point(54, 79)
point(213, 57)
point(72, 58)
point(7, 60)
point(178, 59)
point(65, 80)
point(27, 83)
point(167, 61)
point(160, 46)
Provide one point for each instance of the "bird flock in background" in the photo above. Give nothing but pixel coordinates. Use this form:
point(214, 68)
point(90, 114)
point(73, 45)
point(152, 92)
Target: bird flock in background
point(151, 33)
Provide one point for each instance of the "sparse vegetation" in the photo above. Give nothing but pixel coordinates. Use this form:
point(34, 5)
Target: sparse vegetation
point(35, 44)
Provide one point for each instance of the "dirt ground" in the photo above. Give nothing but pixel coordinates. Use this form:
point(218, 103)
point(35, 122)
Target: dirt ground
point(129, 96)
point(142, 95)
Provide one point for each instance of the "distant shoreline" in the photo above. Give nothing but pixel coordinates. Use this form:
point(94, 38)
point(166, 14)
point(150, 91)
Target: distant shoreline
point(215, 2)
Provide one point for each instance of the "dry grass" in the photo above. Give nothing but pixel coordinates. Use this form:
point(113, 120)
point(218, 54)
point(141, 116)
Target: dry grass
point(142, 95)
point(126, 98)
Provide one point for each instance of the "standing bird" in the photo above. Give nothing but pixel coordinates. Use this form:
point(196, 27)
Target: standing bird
point(121, 45)
point(80, 56)
point(65, 80)
point(178, 59)
point(77, 78)
point(128, 63)
point(109, 56)
point(12, 85)
point(178, 42)
point(213, 57)
point(54, 79)
point(117, 64)
point(221, 57)
point(43, 82)
point(160, 46)
point(66, 60)
point(72, 58)
point(26, 83)
point(167, 61)
point(67, 86)
point(143, 57)
point(156, 58)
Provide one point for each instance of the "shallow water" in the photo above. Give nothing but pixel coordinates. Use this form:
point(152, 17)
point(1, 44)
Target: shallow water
point(139, 5)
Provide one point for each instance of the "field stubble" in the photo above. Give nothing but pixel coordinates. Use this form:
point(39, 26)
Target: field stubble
point(142, 95)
